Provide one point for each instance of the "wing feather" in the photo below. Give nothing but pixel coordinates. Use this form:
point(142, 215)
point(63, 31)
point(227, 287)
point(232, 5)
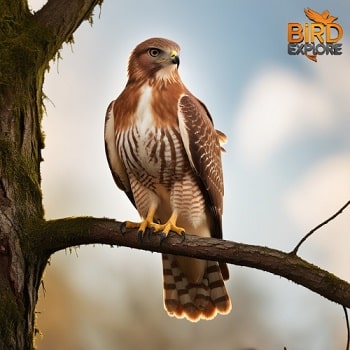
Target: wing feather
point(202, 145)
point(115, 164)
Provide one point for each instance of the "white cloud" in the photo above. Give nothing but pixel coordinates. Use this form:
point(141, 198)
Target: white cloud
point(280, 106)
point(332, 75)
point(317, 196)
point(323, 190)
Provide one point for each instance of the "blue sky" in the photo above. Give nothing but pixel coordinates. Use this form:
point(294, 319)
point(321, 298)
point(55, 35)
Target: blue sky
point(287, 119)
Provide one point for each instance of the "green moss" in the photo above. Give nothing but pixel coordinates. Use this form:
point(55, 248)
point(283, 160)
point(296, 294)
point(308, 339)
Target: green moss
point(9, 315)
point(90, 17)
point(23, 179)
point(24, 47)
point(23, 62)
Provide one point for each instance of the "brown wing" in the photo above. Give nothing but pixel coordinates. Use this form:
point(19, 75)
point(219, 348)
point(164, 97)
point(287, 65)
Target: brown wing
point(203, 149)
point(115, 164)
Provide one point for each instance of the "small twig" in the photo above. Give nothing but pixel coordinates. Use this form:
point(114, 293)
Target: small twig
point(42, 283)
point(347, 328)
point(295, 250)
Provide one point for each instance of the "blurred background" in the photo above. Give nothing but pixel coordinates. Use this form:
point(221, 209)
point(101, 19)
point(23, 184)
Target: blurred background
point(287, 168)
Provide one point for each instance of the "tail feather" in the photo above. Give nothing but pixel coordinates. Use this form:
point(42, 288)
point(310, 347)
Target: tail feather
point(194, 301)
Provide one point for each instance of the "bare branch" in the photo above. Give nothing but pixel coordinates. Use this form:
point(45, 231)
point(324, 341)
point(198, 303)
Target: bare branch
point(295, 250)
point(62, 17)
point(51, 236)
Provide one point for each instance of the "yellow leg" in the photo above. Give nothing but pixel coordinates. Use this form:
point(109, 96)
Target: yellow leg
point(170, 225)
point(148, 222)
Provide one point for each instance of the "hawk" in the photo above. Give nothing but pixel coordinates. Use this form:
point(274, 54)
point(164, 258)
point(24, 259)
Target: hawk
point(165, 154)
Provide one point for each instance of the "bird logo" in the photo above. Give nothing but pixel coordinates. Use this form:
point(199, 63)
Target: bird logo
point(320, 37)
point(317, 17)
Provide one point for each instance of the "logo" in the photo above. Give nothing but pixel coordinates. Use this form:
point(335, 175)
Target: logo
point(320, 37)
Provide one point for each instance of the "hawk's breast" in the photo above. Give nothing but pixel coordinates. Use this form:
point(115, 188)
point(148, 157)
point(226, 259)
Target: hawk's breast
point(152, 152)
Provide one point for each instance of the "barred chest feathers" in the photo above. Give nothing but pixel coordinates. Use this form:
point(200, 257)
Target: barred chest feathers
point(151, 149)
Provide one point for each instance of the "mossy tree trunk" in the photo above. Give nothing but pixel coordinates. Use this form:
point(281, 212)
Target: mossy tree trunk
point(27, 43)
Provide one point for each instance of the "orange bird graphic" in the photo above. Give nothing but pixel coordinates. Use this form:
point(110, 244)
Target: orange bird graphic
point(323, 17)
point(317, 17)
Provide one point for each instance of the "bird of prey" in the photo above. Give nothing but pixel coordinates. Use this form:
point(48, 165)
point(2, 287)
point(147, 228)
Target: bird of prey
point(165, 154)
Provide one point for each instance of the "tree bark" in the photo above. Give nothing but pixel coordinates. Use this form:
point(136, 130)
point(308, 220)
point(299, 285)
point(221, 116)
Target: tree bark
point(27, 43)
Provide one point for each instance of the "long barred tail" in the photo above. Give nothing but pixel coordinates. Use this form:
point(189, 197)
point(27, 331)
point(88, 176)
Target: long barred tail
point(194, 301)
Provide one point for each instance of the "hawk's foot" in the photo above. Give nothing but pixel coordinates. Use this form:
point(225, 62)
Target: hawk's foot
point(170, 225)
point(167, 227)
point(143, 227)
point(149, 226)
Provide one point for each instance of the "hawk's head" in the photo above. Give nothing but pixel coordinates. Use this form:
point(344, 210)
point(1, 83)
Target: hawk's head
point(155, 58)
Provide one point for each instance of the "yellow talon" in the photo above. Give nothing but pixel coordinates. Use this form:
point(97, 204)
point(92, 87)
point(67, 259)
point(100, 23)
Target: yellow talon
point(144, 224)
point(148, 223)
point(170, 225)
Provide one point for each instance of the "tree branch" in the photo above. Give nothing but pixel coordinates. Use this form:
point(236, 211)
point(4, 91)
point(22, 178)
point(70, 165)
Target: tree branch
point(51, 236)
point(295, 250)
point(62, 17)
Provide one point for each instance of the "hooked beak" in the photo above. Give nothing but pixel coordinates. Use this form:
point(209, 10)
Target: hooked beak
point(174, 58)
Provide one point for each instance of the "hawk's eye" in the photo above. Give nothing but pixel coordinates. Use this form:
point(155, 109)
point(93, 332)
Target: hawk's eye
point(154, 52)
